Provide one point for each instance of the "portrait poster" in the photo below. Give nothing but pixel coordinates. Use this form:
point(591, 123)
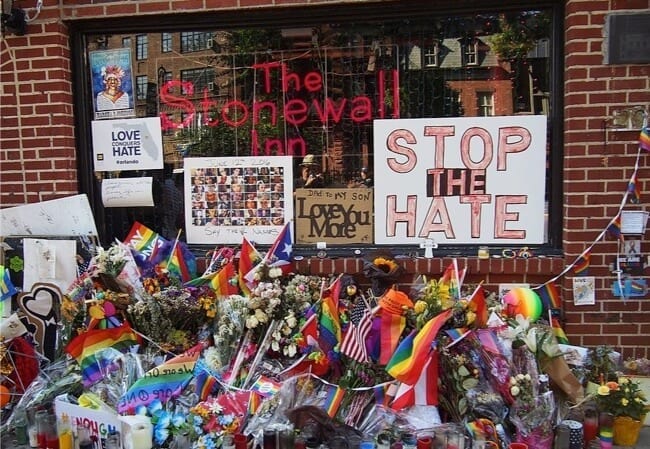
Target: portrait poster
point(112, 83)
point(227, 198)
point(465, 180)
point(334, 216)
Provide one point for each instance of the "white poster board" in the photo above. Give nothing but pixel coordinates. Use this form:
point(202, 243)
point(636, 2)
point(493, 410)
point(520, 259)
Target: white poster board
point(460, 180)
point(70, 216)
point(127, 144)
point(227, 198)
point(51, 261)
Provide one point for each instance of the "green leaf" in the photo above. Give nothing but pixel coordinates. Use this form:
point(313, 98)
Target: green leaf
point(470, 383)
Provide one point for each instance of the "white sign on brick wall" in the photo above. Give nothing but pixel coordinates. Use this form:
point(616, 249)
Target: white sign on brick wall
point(461, 180)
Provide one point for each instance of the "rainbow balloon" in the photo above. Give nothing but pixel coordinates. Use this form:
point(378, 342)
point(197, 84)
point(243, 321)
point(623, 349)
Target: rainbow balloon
point(523, 301)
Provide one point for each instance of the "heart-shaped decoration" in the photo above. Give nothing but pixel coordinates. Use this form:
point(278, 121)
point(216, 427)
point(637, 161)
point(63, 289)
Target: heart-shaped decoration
point(41, 306)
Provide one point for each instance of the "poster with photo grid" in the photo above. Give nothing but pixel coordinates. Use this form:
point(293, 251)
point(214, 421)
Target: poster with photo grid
point(229, 198)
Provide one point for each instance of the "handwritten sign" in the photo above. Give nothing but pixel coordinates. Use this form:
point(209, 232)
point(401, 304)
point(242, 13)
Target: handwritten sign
point(460, 180)
point(69, 216)
point(334, 215)
point(128, 144)
point(227, 198)
point(100, 423)
point(127, 192)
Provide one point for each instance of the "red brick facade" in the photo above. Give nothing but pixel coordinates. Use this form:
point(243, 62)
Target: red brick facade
point(38, 155)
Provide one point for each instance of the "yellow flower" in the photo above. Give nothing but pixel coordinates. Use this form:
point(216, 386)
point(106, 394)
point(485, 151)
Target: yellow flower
point(420, 307)
point(603, 390)
point(385, 265)
point(624, 401)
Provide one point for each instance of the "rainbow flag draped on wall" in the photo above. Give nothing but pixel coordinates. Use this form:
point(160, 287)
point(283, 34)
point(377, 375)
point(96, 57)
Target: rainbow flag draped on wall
point(412, 352)
point(86, 349)
point(163, 382)
point(581, 266)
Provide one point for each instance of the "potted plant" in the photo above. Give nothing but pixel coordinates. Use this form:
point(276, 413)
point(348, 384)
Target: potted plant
point(627, 403)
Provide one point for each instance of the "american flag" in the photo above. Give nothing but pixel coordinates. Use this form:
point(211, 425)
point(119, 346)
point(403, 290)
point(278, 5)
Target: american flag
point(354, 341)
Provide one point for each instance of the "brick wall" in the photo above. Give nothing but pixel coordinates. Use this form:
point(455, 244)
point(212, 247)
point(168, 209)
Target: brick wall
point(598, 165)
point(37, 150)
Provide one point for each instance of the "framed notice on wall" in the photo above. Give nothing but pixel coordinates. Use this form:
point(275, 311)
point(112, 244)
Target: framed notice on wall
point(229, 198)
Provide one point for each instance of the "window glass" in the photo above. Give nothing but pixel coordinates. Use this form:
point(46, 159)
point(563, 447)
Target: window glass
point(317, 90)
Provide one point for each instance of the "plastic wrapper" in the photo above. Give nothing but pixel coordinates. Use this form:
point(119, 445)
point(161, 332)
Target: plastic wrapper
point(535, 418)
point(55, 379)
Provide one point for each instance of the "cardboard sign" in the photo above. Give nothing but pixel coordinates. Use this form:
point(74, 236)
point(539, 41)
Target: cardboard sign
point(336, 216)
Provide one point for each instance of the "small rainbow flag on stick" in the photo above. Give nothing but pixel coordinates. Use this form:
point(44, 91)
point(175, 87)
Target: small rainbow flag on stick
point(550, 296)
point(86, 349)
point(634, 189)
point(411, 354)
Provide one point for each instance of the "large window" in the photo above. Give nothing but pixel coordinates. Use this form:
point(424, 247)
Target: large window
point(317, 89)
point(141, 47)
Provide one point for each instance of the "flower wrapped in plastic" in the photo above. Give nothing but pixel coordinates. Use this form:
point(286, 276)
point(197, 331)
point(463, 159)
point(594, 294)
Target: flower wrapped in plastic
point(229, 330)
point(533, 415)
point(459, 373)
point(218, 415)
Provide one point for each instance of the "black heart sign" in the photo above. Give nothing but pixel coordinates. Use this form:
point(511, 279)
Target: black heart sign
point(41, 306)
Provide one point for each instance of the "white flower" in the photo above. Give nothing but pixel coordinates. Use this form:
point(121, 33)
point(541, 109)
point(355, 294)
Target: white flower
point(290, 350)
point(275, 272)
point(261, 316)
point(251, 322)
point(275, 345)
point(514, 390)
point(291, 320)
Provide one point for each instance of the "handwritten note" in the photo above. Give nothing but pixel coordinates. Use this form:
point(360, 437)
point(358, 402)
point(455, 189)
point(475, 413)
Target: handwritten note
point(127, 192)
point(67, 216)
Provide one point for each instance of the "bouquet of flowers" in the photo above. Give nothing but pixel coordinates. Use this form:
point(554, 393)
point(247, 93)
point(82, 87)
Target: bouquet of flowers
point(532, 414)
point(622, 398)
point(217, 416)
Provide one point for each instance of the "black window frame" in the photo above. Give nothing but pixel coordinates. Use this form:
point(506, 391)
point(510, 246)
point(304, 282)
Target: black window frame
point(304, 16)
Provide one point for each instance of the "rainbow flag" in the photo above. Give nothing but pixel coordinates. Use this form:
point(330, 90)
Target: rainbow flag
point(550, 296)
point(425, 390)
point(407, 361)
point(478, 305)
point(557, 329)
point(392, 326)
point(335, 395)
point(644, 138)
point(223, 282)
point(249, 257)
point(329, 325)
point(453, 278)
point(163, 382)
point(205, 381)
point(86, 348)
point(634, 189)
point(581, 266)
point(614, 228)
point(143, 239)
point(177, 264)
